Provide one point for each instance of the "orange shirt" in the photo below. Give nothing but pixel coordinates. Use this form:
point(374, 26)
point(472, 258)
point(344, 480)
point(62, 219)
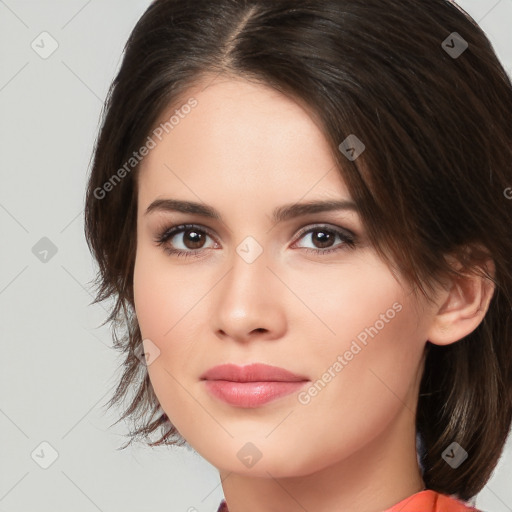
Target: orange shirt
point(422, 501)
point(431, 501)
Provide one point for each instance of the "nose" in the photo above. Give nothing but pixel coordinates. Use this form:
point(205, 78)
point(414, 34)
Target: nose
point(249, 301)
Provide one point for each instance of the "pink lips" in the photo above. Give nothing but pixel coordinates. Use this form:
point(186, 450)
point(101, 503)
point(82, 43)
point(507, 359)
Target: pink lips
point(252, 385)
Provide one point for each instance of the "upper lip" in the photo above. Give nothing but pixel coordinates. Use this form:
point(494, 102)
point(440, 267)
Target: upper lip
point(255, 372)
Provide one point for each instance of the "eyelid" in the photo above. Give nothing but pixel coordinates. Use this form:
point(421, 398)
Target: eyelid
point(327, 226)
point(349, 240)
point(166, 232)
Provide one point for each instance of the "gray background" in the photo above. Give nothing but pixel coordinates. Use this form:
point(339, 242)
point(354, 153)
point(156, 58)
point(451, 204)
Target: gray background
point(57, 367)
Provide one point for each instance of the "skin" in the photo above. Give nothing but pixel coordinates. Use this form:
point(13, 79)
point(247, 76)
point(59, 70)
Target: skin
point(245, 150)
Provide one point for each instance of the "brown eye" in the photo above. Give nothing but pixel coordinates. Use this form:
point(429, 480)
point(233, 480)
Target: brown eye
point(324, 238)
point(193, 238)
point(183, 240)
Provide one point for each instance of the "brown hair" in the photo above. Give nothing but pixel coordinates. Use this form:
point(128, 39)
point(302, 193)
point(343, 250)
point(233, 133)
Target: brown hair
point(432, 180)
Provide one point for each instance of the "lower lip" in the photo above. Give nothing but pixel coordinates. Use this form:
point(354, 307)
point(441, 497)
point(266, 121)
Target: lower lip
point(251, 394)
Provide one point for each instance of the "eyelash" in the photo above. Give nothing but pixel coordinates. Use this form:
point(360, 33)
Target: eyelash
point(348, 239)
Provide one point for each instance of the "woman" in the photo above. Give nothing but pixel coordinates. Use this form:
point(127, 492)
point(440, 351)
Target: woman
point(301, 210)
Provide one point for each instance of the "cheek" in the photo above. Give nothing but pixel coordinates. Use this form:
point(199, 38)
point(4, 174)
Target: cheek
point(148, 298)
point(360, 299)
point(363, 376)
point(163, 297)
point(170, 306)
point(163, 294)
point(368, 329)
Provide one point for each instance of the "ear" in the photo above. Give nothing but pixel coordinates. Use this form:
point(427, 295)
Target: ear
point(462, 305)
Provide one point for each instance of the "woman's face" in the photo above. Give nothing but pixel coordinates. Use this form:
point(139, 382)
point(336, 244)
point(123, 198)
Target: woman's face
point(304, 292)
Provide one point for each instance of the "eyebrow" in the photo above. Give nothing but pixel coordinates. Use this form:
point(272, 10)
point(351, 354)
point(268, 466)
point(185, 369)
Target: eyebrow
point(280, 214)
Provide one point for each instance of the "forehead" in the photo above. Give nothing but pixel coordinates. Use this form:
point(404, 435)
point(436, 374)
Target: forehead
point(242, 138)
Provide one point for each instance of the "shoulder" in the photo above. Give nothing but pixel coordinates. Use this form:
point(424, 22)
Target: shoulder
point(429, 500)
point(452, 503)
